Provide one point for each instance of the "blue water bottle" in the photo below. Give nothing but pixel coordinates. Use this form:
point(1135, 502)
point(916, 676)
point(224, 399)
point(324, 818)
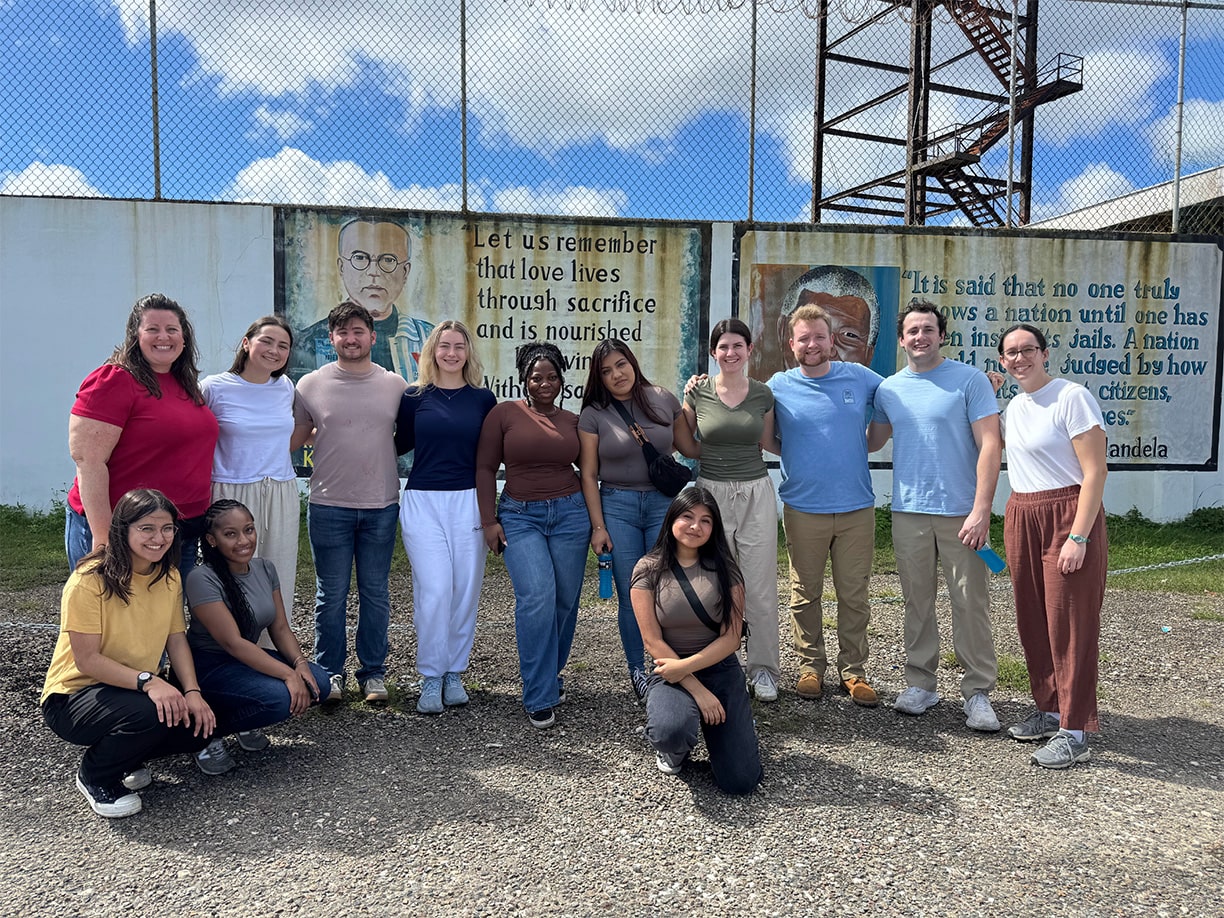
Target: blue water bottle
point(992, 559)
point(605, 576)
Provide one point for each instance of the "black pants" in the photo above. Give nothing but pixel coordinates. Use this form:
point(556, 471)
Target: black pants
point(119, 726)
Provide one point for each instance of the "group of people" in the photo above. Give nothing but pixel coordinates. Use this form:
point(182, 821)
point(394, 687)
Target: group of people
point(166, 464)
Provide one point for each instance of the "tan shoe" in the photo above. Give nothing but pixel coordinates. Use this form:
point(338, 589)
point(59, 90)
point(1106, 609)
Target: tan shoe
point(860, 692)
point(809, 686)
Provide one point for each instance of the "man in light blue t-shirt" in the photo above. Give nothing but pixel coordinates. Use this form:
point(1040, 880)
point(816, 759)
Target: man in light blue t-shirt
point(821, 410)
point(944, 422)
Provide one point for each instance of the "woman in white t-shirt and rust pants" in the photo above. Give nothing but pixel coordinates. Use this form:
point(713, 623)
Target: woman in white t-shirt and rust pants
point(1057, 548)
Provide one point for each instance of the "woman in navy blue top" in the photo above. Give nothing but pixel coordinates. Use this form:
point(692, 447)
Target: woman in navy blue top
point(439, 421)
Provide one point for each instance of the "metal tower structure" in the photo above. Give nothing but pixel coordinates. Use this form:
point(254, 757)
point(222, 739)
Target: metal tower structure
point(974, 60)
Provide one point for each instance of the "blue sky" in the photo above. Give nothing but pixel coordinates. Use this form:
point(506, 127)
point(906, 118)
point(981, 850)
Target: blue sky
point(570, 111)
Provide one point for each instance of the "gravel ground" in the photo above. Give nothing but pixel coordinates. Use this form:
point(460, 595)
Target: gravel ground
point(364, 811)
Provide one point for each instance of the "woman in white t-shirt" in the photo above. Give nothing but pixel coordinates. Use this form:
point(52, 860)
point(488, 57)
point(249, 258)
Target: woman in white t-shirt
point(253, 402)
point(1054, 530)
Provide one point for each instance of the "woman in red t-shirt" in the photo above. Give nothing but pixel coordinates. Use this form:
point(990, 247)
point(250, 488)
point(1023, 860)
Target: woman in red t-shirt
point(140, 421)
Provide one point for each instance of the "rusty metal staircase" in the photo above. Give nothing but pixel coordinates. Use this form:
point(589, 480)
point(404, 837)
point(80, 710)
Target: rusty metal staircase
point(984, 33)
point(939, 174)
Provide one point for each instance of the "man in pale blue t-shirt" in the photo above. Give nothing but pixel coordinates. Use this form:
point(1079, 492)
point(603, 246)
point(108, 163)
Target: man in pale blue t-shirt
point(821, 410)
point(944, 421)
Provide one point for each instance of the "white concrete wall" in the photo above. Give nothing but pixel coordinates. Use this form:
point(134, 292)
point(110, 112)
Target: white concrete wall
point(72, 268)
point(69, 273)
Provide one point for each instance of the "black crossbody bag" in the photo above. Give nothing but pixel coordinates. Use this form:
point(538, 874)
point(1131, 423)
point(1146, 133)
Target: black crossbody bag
point(666, 474)
point(691, 595)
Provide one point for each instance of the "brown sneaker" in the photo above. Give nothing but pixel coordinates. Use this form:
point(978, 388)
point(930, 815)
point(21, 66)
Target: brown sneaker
point(809, 686)
point(860, 692)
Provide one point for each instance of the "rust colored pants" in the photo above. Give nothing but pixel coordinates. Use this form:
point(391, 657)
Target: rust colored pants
point(1058, 615)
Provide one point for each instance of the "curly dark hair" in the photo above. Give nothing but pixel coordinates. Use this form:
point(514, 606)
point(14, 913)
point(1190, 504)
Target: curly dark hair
point(235, 599)
point(528, 355)
point(129, 356)
point(112, 562)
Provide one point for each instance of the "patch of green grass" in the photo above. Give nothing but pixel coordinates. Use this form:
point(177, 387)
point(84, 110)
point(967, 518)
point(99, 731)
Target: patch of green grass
point(1206, 615)
point(947, 660)
point(1013, 673)
point(31, 547)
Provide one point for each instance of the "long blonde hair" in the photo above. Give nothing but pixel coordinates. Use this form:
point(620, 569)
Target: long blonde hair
point(427, 370)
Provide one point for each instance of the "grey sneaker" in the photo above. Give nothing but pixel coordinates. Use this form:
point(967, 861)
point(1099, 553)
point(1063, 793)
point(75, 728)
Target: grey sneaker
point(764, 687)
point(375, 690)
point(214, 759)
point(669, 764)
point(335, 694)
point(138, 779)
point(431, 696)
point(1038, 726)
point(453, 692)
point(542, 719)
point(980, 714)
point(915, 701)
point(253, 740)
point(1061, 752)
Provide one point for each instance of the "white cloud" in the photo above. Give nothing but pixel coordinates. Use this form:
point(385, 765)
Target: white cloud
point(1097, 183)
point(284, 125)
point(293, 177)
point(578, 200)
point(1202, 134)
point(48, 179)
point(1118, 87)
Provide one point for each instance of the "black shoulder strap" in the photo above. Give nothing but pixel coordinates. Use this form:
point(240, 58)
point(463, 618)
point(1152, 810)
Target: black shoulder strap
point(691, 595)
point(648, 448)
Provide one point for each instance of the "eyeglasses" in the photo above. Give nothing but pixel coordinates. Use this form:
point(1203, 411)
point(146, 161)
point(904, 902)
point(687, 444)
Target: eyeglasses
point(168, 530)
point(1025, 352)
point(386, 263)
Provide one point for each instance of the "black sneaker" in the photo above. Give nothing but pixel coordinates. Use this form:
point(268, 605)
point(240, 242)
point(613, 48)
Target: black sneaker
point(637, 678)
point(542, 719)
point(112, 802)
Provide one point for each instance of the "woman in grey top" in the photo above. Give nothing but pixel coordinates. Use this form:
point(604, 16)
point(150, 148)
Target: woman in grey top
point(233, 597)
point(626, 510)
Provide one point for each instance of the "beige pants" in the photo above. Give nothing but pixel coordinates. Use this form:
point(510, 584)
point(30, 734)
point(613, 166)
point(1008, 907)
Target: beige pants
point(923, 543)
point(277, 509)
point(849, 540)
point(750, 517)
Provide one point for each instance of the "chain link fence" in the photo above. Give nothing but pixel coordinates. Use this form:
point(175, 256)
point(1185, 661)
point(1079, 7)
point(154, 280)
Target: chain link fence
point(958, 112)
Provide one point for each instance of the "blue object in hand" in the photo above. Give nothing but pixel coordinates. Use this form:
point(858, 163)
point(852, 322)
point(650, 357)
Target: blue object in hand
point(992, 559)
point(605, 576)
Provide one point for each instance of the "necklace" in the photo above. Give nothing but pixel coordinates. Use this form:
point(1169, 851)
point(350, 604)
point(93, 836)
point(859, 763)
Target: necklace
point(451, 393)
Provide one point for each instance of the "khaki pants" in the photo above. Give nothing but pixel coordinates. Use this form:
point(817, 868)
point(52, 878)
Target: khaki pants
point(849, 539)
point(750, 517)
point(923, 543)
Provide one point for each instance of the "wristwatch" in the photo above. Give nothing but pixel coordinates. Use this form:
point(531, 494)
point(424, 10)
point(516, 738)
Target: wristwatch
point(1078, 539)
point(143, 680)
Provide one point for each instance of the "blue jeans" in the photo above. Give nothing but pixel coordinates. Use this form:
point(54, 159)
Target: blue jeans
point(78, 541)
point(244, 698)
point(634, 519)
point(340, 536)
point(672, 720)
point(546, 552)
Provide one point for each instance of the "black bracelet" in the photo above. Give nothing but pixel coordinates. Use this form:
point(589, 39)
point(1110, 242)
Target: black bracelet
point(190, 690)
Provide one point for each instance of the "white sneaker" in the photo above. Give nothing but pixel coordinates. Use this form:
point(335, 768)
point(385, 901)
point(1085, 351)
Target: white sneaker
point(916, 701)
point(335, 694)
point(669, 764)
point(763, 686)
point(979, 715)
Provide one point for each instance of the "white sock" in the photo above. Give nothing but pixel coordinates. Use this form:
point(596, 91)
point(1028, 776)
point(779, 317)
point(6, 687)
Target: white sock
point(1077, 735)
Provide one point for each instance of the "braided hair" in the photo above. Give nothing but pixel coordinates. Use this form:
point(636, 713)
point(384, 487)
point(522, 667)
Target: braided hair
point(527, 355)
point(235, 598)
